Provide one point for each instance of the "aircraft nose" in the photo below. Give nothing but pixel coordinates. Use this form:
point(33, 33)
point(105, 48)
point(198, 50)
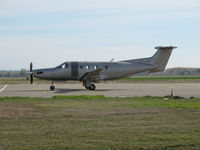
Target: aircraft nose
point(43, 73)
point(37, 73)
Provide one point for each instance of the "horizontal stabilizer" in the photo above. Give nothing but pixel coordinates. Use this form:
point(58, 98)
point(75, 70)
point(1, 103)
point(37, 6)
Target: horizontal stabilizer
point(165, 47)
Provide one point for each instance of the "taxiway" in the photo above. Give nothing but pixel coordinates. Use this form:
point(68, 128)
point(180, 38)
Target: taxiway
point(109, 90)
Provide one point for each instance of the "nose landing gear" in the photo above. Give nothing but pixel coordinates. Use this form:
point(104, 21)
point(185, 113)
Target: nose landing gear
point(52, 87)
point(88, 85)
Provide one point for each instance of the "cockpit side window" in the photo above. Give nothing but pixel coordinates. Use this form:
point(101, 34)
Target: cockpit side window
point(64, 66)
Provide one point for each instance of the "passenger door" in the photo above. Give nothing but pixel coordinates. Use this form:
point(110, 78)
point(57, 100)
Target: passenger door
point(74, 70)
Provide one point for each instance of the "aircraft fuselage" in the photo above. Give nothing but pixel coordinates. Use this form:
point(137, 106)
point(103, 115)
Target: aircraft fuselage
point(75, 70)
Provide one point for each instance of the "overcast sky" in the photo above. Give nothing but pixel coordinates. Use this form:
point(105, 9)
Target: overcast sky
point(49, 32)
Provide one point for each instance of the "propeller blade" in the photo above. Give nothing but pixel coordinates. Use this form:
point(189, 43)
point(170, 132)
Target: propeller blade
point(31, 67)
point(31, 78)
point(31, 73)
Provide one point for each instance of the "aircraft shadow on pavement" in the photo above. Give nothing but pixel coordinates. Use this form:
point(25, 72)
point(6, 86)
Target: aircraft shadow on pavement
point(27, 90)
point(79, 90)
point(60, 90)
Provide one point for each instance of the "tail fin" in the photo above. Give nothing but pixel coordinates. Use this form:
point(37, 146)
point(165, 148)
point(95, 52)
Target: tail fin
point(159, 60)
point(161, 57)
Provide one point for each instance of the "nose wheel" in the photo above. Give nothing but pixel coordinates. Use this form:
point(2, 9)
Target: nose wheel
point(52, 87)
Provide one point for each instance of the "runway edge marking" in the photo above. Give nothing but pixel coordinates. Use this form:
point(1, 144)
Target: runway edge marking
point(1, 90)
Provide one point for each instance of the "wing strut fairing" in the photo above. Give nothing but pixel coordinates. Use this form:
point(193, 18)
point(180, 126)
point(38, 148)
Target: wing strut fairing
point(91, 76)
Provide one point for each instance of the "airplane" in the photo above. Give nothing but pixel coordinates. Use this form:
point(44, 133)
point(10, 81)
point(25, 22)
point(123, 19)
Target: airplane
point(94, 72)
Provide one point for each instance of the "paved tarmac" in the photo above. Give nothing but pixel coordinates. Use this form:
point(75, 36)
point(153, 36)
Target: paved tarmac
point(110, 90)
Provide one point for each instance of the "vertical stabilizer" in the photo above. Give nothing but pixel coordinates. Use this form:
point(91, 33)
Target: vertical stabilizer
point(161, 58)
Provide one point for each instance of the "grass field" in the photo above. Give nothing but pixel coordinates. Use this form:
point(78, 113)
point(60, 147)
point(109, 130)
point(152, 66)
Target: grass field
point(164, 78)
point(98, 122)
point(138, 79)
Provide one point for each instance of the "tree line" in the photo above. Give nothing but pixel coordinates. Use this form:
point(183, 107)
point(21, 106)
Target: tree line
point(179, 72)
point(13, 74)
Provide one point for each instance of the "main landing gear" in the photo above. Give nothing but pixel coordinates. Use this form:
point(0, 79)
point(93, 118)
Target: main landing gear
point(88, 85)
point(52, 87)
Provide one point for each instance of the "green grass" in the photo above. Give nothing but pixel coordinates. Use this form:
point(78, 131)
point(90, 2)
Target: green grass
point(137, 102)
point(164, 78)
point(98, 122)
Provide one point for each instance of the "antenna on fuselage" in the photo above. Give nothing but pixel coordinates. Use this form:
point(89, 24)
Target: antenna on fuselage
point(112, 60)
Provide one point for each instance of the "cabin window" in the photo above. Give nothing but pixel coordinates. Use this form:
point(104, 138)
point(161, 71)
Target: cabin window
point(106, 67)
point(87, 67)
point(95, 67)
point(81, 67)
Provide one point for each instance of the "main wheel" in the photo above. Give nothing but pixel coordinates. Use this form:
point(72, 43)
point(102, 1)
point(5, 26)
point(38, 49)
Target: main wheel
point(87, 87)
point(52, 88)
point(92, 87)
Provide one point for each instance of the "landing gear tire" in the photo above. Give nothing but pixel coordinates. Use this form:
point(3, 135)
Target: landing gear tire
point(92, 87)
point(52, 88)
point(89, 86)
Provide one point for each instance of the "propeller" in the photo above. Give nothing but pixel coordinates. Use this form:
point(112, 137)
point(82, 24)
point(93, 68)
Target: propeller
point(31, 73)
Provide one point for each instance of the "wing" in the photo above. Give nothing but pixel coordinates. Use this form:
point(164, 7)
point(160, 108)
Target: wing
point(91, 76)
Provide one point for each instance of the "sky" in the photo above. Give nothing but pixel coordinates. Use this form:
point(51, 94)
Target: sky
point(49, 32)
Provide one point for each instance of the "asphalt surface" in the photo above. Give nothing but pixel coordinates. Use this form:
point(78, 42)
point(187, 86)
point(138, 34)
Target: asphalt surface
point(110, 90)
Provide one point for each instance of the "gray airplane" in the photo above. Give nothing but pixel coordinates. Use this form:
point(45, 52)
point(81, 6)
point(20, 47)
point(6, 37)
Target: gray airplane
point(94, 72)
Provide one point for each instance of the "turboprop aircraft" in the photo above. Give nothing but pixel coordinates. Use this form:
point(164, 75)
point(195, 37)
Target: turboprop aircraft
point(94, 72)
